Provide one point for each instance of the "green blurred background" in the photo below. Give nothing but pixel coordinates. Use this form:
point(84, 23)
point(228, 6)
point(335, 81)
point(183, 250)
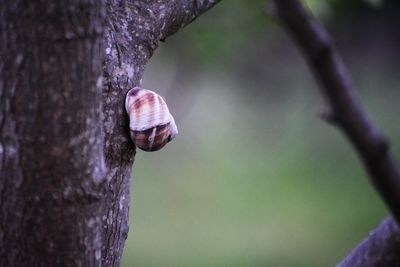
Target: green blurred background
point(254, 178)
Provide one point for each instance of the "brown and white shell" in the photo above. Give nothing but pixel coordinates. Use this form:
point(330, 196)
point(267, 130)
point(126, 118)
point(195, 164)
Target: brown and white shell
point(151, 124)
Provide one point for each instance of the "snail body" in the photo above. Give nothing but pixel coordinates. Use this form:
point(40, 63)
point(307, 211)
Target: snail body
point(151, 124)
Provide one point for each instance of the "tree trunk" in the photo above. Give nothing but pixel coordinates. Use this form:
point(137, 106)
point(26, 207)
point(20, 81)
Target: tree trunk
point(65, 154)
point(52, 165)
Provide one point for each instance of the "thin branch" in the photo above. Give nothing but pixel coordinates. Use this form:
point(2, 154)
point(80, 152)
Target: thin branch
point(349, 116)
point(181, 13)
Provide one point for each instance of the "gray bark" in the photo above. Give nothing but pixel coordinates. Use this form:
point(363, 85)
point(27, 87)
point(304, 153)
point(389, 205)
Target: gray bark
point(52, 165)
point(65, 153)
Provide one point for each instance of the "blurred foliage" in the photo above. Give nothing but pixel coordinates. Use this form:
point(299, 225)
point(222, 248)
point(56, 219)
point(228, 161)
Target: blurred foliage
point(254, 178)
point(238, 21)
point(375, 3)
point(227, 28)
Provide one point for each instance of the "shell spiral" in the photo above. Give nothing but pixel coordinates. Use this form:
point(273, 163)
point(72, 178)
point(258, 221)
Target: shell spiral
point(151, 124)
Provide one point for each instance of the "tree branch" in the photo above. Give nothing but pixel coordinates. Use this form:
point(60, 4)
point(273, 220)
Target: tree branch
point(347, 112)
point(133, 31)
point(180, 13)
point(382, 247)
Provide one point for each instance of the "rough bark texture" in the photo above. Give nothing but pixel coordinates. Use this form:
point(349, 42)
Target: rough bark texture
point(382, 247)
point(52, 165)
point(65, 155)
point(133, 31)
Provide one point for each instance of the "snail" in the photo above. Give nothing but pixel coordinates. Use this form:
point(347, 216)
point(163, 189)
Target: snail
point(151, 124)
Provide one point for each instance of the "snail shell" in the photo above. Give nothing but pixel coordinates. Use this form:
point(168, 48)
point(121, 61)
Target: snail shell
point(151, 124)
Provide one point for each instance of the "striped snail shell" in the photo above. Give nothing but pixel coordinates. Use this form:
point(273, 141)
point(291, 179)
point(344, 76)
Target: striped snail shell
point(151, 124)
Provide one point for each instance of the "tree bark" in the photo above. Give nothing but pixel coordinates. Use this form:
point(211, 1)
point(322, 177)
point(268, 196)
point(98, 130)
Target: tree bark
point(52, 165)
point(65, 153)
point(133, 31)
